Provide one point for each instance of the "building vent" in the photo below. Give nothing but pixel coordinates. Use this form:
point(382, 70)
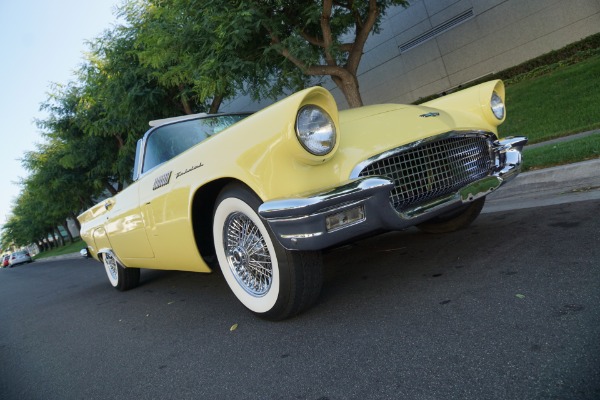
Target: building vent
point(436, 31)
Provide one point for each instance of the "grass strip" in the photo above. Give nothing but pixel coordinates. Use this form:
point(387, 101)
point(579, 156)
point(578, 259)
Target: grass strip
point(567, 152)
point(558, 104)
point(68, 248)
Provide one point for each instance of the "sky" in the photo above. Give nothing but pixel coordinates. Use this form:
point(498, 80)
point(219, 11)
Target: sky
point(41, 42)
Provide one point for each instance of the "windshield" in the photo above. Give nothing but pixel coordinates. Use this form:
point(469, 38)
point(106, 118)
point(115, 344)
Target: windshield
point(168, 141)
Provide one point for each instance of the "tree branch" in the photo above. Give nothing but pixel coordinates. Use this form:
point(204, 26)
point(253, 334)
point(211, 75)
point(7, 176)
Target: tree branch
point(311, 39)
point(362, 34)
point(326, 29)
point(347, 47)
point(120, 141)
point(286, 53)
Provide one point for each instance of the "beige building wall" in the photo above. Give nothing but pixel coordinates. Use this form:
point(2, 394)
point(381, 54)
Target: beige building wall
point(459, 41)
point(498, 34)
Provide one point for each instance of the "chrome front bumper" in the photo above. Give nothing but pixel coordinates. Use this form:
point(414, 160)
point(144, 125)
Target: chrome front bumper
point(302, 223)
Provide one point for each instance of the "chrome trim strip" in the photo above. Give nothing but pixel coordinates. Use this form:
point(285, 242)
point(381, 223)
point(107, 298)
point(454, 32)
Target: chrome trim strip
point(302, 235)
point(348, 194)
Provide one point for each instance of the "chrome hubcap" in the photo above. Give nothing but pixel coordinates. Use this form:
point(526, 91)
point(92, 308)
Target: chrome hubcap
point(247, 254)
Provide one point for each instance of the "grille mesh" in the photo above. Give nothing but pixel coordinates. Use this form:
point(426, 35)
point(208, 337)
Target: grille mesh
point(433, 169)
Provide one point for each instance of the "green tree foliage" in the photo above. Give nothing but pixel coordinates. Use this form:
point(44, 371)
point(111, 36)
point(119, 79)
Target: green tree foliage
point(186, 46)
point(93, 157)
point(174, 44)
point(118, 97)
point(320, 38)
point(214, 49)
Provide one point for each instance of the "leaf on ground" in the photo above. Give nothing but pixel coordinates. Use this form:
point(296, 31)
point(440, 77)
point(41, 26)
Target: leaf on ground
point(233, 327)
point(520, 296)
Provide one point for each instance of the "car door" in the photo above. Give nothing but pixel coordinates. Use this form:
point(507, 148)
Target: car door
point(126, 226)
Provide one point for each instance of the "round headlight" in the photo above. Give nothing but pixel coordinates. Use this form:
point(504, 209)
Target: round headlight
point(497, 106)
point(315, 130)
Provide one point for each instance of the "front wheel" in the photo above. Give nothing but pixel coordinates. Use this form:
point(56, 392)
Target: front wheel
point(454, 220)
point(272, 282)
point(120, 278)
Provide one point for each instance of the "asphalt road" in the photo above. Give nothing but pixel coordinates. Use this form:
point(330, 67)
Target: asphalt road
point(507, 309)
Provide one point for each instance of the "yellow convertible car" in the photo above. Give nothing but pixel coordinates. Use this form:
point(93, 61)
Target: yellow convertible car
point(261, 195)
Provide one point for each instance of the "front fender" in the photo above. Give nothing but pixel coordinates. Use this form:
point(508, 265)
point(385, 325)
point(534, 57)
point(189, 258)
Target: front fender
point(474, 101)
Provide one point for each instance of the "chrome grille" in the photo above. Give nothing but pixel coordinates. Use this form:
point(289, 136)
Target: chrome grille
point(434, 169)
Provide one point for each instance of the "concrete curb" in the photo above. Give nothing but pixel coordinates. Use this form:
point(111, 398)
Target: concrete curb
point(568, 172)
point(551, 186)
point(586, 173)
point(70, 256)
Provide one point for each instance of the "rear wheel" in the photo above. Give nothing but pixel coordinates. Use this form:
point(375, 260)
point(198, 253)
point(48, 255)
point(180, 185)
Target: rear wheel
point(120, 278)
point(272, 282)
point(454, 220)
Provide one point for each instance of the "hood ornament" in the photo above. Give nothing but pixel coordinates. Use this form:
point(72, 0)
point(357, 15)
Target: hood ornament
point(430, 114)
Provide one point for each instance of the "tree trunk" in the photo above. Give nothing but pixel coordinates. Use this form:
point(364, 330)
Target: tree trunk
point(65, 226)
point(184, 101)
point(58, 237)
point(110, 188)
point(77, 224)
point(216, 104)
point(348, 84)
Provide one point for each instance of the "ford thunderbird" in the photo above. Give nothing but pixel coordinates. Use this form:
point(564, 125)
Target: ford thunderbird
point(261, 195)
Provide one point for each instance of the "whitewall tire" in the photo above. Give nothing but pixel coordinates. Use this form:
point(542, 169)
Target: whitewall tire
point(120, 278)
point(269, 280)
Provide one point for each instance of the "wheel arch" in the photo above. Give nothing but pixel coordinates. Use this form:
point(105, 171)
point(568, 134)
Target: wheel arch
point(105, 250)
point(203, 205)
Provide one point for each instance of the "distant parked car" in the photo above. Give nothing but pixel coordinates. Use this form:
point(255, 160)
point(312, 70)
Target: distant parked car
point(5, 261)
point(19, 257)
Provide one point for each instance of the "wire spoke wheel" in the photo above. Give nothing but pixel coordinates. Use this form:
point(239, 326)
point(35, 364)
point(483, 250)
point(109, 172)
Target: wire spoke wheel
point(110, 264)
point(269, 280)
point(120, 278)
point(247, 254)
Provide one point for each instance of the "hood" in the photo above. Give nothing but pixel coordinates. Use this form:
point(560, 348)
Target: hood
point(376, 127)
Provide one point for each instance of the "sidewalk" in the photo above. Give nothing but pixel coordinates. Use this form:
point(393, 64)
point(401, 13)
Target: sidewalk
point(69, 256)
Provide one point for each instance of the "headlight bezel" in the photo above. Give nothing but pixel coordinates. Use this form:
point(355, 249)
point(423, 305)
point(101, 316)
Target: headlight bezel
point(306, 137)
